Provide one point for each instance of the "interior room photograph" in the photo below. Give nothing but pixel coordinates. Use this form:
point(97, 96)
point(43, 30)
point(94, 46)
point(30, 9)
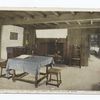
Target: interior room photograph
point(49, 50)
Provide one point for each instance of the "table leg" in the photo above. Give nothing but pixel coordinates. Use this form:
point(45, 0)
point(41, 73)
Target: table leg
point(47, 68)
point(36, 80)
point(46, 75)
point(13, 75)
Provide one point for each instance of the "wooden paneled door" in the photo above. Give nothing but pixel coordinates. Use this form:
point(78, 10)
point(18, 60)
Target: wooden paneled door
point(85, 48)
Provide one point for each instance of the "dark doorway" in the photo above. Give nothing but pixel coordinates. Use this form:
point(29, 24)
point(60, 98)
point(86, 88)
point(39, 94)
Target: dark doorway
point(51, 48)
point(95, 44)
point(55, 47)
point(60, 48)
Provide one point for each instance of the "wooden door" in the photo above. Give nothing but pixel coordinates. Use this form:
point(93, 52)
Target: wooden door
point(85, 48)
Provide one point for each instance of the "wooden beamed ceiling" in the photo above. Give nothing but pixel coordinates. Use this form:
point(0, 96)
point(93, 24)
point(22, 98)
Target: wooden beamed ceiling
point(50, 19)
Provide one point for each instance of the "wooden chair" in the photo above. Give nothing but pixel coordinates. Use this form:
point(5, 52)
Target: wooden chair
point(58, 57)
point(2, 66)
point(76, 56)
point(50, 77)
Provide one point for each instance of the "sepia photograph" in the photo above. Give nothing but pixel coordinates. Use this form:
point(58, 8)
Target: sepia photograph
point(48, 50)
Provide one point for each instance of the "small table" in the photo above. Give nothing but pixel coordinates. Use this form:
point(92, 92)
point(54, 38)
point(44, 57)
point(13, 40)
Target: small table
point(2, 66)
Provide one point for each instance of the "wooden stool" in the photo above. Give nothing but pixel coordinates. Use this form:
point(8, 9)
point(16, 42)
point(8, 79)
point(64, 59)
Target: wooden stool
point(57, 73)
point(2, 66)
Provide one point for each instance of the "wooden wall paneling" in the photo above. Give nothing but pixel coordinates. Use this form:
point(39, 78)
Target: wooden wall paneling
point(68, 50)
point(85, 46)
point(74, 38)
point(79, 37)
point(0, 40)
point(47, 46)
point(25, 40)
point(64, 49)
point(42, 50)
point(29, 38)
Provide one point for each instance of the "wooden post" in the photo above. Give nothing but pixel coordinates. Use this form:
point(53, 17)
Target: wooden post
point(84, 51)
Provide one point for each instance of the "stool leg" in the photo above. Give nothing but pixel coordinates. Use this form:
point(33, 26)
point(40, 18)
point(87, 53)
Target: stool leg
point(60, 77)
point(50, 77)
point(57, 80)
point(1, 72)
point(13, 76)
point(80, 64)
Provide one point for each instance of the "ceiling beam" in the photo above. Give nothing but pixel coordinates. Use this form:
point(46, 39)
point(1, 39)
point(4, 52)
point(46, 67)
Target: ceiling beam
point(67, 17)
point(47, 24)
point(45, 20)
point(63, 25)
point(43, 14)
point(51, 24)
point(30, 14)
point(80, 26)
point(23, 15)
point(6, 15)
point(79, 22)
point(73, 13)
point(56, 13)
point(91, 22)
point(84, 27)
point(68, 23)
point(55, 23)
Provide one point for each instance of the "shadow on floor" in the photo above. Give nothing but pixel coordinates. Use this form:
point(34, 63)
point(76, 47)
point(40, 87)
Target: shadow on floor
point(96, 87)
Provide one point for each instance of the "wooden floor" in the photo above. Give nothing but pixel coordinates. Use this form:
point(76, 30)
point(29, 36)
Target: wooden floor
point(73, 78)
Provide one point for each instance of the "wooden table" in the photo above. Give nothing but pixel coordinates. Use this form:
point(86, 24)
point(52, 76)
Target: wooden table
point(29, 65)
